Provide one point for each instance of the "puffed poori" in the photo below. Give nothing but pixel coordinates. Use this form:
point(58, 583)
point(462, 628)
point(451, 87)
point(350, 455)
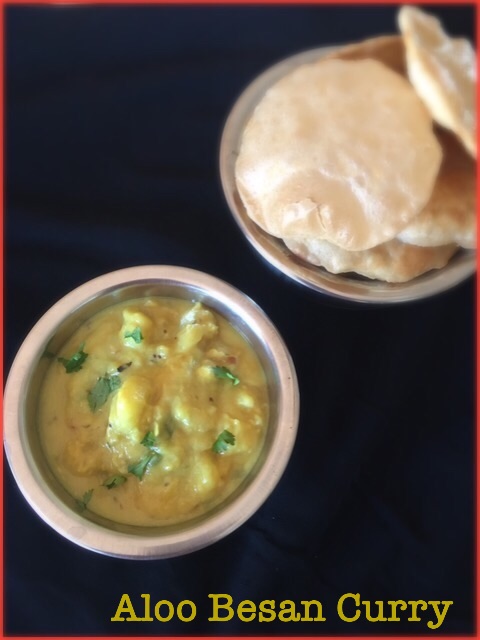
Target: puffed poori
point(443, 71)
point(392, 261)
point(342, 160)
point(339, 150)
point(390, 50)
point(451, 213)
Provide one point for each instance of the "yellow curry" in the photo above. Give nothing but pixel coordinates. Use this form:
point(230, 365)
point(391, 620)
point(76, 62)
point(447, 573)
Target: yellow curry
point(153, 412)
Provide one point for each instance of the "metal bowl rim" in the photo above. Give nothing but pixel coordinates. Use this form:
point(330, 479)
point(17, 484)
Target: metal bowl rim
point(94, 537)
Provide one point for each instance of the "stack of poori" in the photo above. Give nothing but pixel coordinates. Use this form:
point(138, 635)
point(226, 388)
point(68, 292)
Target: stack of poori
point(364, 161)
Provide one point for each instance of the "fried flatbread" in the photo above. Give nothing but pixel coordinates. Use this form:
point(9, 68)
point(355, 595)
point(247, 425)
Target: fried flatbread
point(392, 261)
point(390, 50)
point(338, 150)
point(450, 214)
point(443, 72)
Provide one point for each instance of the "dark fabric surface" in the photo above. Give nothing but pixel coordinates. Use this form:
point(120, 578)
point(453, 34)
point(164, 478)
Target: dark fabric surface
point(113, 121)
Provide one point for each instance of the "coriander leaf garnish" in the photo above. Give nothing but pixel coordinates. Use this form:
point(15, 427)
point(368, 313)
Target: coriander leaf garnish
point(98, 395)
point(148, 440)
point(82, 503)
point(75, 362)
point(226, 374)
point(136, 335)
point(224, 440)
point(114, 481)
point(139, 468)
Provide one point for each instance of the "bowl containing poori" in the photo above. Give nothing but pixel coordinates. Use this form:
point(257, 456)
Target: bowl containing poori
point(342, 176)
point(150, 412)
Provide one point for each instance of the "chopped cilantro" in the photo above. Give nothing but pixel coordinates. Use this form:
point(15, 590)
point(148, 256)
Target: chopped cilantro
point(149, 440)
point(135, 335)
point(224, 440)
point(114, 481)
point(139, 468)
point(226, 374)
point(75, 362)
point(98, 395)
point(82, 503)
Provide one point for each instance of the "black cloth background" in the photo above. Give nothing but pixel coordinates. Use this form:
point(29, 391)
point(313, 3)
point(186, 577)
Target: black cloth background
point(113, 121)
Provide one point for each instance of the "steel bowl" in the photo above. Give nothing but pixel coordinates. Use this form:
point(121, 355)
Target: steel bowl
point(21, 438)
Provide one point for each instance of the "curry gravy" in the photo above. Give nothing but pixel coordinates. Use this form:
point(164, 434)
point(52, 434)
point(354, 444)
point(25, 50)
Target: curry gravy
point(153, 412)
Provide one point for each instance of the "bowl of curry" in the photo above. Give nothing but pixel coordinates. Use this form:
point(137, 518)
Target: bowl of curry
point(150, 412)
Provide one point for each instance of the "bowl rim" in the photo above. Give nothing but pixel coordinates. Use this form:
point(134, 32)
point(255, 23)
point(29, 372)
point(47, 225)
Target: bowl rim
point(273, 250)
point(91, 535)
